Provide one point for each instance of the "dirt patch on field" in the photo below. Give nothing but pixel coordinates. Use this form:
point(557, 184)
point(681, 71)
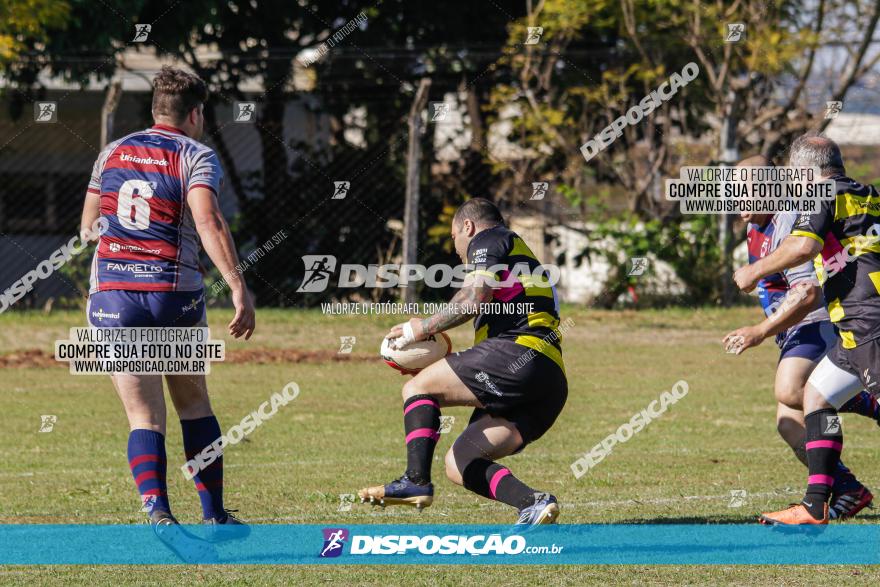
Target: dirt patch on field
point(35, 358)
point(28, 359)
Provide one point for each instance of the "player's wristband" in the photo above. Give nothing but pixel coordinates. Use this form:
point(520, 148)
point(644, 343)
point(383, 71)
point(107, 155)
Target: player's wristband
point(408, 337)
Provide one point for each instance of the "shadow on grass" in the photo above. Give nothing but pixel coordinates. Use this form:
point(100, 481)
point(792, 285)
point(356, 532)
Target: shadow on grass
point(705, 520)
point(742, 519)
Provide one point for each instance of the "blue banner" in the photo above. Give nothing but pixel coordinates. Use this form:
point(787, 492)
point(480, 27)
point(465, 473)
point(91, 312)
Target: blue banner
point(442, 544)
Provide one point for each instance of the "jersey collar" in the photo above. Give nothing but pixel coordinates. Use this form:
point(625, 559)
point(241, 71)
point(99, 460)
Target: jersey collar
point(168, 128)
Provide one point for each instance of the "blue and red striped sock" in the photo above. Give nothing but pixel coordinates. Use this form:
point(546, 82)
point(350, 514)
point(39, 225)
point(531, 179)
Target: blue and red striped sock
point(149, 465)
point(198, 434)
point(863, 404)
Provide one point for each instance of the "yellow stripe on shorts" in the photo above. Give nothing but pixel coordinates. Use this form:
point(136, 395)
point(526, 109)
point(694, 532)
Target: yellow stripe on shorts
point(545, 348)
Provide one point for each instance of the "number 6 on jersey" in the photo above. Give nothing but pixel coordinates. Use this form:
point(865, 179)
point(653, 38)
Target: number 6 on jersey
point(133, 207)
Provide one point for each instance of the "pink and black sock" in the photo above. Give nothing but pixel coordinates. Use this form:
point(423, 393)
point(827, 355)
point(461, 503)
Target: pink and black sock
point(863, 404)
point(198, 434)
point(421, 423)
point(149, 466)
point(495, 481)
point(824, 443)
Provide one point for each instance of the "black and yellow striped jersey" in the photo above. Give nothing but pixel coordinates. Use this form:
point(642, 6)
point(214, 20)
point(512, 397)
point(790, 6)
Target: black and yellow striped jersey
point(847, 227)
point(524, 305)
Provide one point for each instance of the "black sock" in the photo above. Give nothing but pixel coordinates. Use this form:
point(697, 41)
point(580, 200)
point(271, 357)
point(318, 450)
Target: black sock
point(421, 423)
point(824, 443)
point(494, 481)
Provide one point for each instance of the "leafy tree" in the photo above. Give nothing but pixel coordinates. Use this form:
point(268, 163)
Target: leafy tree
point(372, 70)
point(557, 99)
point(24, 23)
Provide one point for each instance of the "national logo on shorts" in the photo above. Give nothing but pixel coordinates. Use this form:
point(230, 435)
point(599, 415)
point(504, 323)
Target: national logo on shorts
point(100, 314)
point(832, 425)
point(487, 382)
point(334, 541)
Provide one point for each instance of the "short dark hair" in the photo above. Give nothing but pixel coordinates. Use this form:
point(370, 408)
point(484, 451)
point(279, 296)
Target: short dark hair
point(176, 93)
point(478, 211)
point(813, 150)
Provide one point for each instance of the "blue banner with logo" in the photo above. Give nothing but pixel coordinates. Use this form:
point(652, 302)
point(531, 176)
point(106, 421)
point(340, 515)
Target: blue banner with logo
point(442, 544)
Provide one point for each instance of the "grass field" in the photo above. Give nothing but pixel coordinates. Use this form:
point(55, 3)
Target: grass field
point(344, 431)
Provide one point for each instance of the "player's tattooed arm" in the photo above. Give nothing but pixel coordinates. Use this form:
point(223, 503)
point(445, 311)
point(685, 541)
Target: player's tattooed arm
point(462, 307)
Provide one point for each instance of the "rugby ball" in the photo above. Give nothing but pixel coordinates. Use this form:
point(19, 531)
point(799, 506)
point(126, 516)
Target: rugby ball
point(417, 355)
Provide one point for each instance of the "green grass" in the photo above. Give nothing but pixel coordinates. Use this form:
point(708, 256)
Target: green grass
point(344, 431)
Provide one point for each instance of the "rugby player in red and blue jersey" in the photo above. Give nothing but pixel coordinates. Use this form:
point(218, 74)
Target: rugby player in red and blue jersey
point(158, 191)
point(847, 224)
point(794, 315)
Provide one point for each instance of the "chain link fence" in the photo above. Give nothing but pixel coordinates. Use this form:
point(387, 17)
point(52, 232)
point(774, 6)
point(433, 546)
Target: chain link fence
point(334, 184)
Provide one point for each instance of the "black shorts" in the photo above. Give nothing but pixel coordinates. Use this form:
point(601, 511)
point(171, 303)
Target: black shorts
point(864, 361)
point(513, 382)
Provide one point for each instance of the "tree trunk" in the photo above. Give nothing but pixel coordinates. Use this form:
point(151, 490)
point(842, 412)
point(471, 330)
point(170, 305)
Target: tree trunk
point(108, 110)
point(413, 168)
point(727, 155)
